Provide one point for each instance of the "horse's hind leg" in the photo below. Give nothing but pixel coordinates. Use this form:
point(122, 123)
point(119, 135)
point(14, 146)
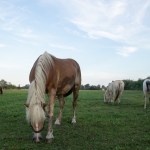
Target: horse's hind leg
point(119, 98)
point(74, 103)
point(61, 105)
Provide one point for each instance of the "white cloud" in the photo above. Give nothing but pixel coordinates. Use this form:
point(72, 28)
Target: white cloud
point(121, 21)
point(126, 51)
point(13, 18)
point(28, 35)
point(26, 10)
point(62, 47)
point(2, 45)
point(141, 13)
point(27, 42)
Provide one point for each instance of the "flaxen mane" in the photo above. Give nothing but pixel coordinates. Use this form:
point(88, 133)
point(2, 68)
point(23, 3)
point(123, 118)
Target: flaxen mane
point(37, 89)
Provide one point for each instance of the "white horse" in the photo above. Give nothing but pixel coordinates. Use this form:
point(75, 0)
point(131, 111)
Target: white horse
point(114, 91)
point(146, 90)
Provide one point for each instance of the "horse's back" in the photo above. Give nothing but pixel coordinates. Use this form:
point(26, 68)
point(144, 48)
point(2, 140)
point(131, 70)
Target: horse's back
point(63, 75)
point(69, 75)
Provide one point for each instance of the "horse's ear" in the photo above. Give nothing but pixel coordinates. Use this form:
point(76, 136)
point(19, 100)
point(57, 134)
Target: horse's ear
point(44, 105)
point(27, 105)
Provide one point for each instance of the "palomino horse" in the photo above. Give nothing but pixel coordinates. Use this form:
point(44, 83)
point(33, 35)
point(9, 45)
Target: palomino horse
point(114, 91)
point(146, 90)
point(1, 91)
point(56, 77)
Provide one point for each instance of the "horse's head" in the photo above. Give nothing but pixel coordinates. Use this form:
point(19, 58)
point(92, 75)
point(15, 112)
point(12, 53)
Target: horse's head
point(35, 114)
point(106, 97)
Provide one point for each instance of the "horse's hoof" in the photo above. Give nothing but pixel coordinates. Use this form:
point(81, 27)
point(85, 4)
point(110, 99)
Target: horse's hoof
point(49, 140)
point(37, 140)
point(57, 125)
point(73, 121)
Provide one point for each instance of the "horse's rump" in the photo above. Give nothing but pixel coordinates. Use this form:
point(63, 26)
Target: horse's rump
point(117, 92)
point(118, 87)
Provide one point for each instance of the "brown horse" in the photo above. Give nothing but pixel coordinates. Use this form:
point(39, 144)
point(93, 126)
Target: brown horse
point(1, 91)
point(56, 77)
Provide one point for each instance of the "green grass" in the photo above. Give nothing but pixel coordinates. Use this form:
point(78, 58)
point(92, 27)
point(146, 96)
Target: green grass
point(99, 126)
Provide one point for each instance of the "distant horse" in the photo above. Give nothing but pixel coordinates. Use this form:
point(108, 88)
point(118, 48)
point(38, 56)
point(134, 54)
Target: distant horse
point(56, 77)
point(146, 90)
point(1, 90)
point(114, 91)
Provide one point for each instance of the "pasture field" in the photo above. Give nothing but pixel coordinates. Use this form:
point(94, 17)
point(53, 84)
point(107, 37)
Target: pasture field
point(99, 126)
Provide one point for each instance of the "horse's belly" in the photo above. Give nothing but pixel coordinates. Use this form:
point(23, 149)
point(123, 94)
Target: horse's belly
point(66, 84)
point(64, 90)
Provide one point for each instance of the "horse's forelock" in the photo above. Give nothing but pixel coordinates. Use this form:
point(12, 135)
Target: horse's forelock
point(35, 114)
point(35, 111)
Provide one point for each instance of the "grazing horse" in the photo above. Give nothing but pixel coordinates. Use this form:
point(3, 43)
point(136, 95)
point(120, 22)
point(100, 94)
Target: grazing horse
point(114, 91)
point(56, 77)
point(1, 91)
point(146, 90)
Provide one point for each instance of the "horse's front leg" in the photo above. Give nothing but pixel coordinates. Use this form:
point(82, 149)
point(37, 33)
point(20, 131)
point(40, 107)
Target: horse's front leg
point(112, 95)
point(61, 106)
point(144, 101)
point(49, 136)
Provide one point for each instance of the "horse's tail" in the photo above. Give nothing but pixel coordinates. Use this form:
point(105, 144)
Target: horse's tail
point(117, 93)
point(44, 63)
point(148, 85)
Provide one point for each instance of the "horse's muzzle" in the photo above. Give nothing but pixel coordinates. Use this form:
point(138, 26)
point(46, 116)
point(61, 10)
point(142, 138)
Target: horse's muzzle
point(37, 131)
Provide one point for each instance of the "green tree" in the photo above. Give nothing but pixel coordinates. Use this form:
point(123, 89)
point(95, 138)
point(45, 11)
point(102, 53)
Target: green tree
point(3, 83)
point(87, 86)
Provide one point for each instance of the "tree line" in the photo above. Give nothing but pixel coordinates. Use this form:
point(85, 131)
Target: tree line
point(129, 85)
point(7, 85)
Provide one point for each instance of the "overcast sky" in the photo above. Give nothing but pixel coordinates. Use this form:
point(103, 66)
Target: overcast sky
point(110, 39)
